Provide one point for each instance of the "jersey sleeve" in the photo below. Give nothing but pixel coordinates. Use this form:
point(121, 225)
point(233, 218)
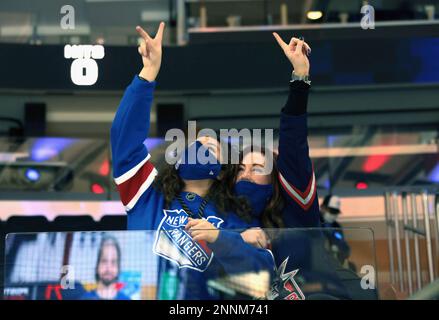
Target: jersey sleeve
point(132, 170)
point(236, 256)
point(296, 173)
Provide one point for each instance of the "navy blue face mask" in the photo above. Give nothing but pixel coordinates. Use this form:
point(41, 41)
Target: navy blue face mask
point(190, 167)
point(258, 195)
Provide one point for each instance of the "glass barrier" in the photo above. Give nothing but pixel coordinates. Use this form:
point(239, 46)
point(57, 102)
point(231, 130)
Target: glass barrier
point(281, 264)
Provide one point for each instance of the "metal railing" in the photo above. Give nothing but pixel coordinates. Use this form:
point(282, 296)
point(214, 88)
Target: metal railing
point(412, 220)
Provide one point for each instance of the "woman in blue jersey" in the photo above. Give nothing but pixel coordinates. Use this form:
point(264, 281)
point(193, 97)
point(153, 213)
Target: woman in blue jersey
point(286, 197)
point(187, 203)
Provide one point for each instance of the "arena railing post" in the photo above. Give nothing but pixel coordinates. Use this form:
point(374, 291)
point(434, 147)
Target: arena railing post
point(407, 241)
point(390, 225)
point(416, 240)
point(398, 240)
point(428, 235)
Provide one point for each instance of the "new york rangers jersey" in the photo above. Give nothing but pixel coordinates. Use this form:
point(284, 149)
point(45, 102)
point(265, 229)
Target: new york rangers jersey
point(300, 254)
point(134, 175)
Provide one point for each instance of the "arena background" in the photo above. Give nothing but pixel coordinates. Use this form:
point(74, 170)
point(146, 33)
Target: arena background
point(373, 110)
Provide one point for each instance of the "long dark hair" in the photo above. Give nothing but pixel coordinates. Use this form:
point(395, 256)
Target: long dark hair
point(271, 217)
point(170, 184)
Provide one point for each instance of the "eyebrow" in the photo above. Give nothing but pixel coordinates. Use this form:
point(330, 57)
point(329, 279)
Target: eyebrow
point(253, 165)
point(258, 164)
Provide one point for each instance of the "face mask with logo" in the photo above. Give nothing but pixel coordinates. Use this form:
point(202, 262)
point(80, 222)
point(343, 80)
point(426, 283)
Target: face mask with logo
point(258, 195)
point(190, 167)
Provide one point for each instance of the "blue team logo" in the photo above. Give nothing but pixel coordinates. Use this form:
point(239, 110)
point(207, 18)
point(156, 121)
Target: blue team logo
point(175, 244)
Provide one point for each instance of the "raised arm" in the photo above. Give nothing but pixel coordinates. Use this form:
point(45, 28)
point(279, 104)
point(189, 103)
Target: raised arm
point(132, 170)
point(296, 174)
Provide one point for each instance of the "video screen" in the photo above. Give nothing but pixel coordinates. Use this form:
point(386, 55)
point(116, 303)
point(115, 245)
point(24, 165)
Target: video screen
point(80, 266)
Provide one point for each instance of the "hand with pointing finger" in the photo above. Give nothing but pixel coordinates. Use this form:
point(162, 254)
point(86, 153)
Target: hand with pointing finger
point(151, 51)
point(296, 51)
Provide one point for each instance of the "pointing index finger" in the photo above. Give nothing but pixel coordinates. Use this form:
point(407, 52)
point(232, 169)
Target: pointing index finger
point(279, 40)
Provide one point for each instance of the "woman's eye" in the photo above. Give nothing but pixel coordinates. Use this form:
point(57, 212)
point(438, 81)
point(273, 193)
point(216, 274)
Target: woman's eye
point(258, 170)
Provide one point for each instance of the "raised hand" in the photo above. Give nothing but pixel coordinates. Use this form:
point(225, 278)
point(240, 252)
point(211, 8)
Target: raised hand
point(296, 51)
point(151, 51)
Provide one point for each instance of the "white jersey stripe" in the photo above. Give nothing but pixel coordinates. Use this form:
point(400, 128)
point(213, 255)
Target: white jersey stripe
point(130, 173)
point(142, 189)
point(293, 192)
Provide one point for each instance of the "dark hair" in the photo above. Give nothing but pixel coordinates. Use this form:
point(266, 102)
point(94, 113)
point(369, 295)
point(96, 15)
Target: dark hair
point(106, 240)
point(271, 217)
point(171, 185)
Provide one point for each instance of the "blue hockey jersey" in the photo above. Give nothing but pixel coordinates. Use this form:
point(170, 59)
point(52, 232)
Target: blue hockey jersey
point(300, 254)
point(296, 174)
point(134, 175)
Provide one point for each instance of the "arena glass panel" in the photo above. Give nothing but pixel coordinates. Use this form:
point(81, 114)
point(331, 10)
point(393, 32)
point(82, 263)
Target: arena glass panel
point(296, 264)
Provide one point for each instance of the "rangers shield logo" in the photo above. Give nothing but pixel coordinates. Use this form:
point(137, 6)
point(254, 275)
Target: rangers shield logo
point(284, 286)
point(175, 244)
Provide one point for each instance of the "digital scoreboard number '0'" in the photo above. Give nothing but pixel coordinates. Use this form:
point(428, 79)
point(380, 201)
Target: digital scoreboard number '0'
point(84, 70)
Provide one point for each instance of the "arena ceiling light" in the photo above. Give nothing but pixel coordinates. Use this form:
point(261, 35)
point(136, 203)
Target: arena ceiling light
point(361, 185)
point(314, 15)
point(32, 175)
